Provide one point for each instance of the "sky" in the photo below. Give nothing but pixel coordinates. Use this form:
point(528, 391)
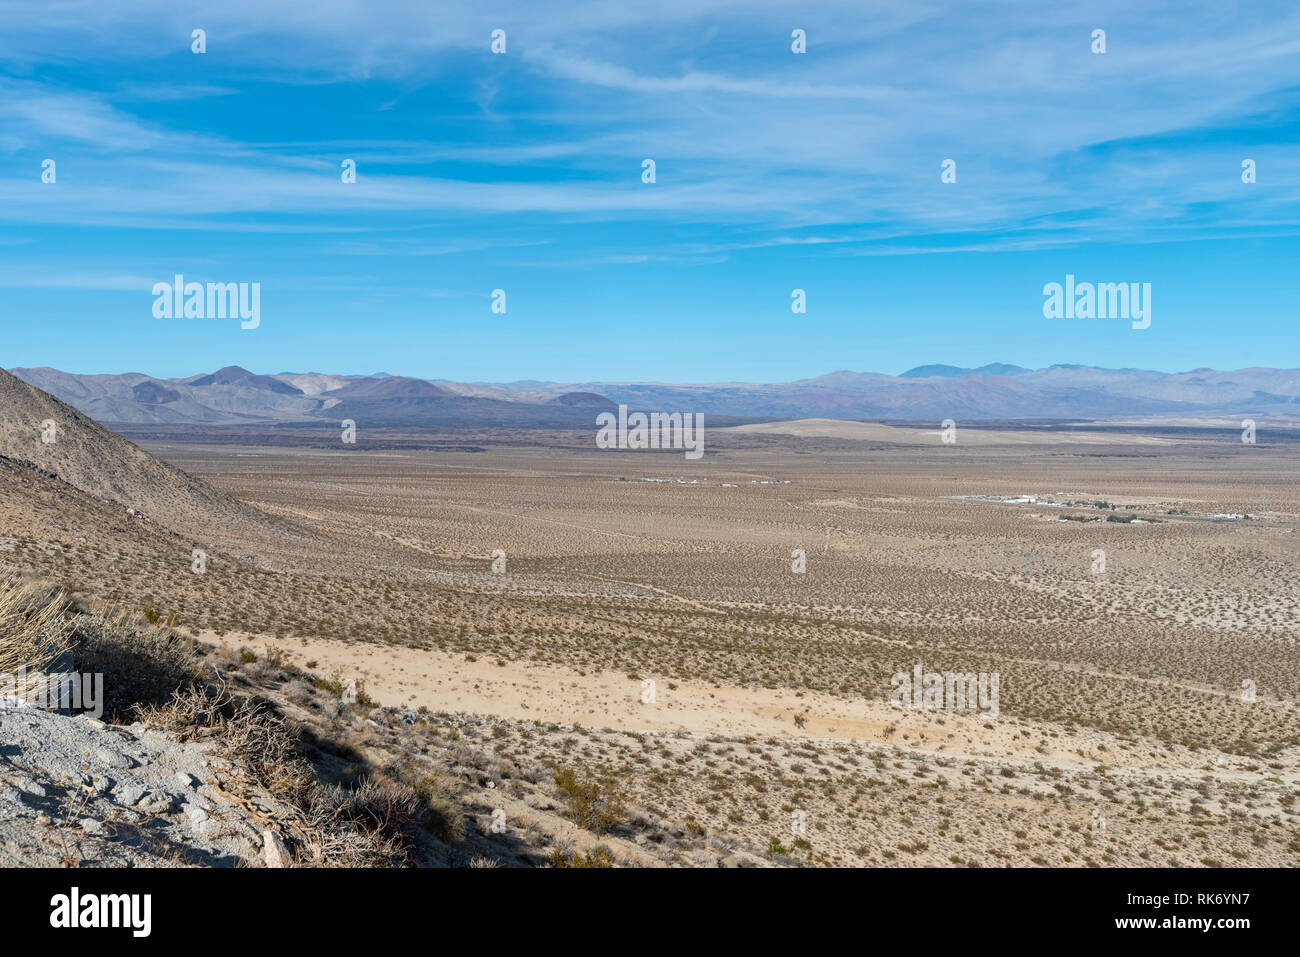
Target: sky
point(523, 171)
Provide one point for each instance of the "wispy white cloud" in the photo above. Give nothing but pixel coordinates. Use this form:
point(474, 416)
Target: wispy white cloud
point(80, 279)
point(694, 81)
point(745, 132)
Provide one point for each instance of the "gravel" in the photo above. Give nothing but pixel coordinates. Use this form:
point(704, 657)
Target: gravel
point(112, 796)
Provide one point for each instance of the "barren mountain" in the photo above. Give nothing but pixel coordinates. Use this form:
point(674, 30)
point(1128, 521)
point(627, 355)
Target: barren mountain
point(313, 383)
point(393, 387)
point(956, 372)
point(56, 439)
point(234, 375)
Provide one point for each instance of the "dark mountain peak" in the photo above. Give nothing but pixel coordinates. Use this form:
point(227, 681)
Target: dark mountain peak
point(231, 374)
point(939, 370)
point(935, 370)
point(226, 376)
point(584, 400)
point(237, 375)
point(154, 393)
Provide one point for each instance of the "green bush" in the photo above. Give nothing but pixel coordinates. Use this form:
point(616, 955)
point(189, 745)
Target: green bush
point(593, 804)
point(598, 856)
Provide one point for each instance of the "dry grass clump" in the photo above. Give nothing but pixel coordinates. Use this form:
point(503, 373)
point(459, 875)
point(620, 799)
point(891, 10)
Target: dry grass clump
point(351, 827)
point(32, 630)
point(377, 823)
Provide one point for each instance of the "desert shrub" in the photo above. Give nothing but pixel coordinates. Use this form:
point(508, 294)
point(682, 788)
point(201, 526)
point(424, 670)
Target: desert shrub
point(439, 811)
point(301, 693)
point(375, 824)
point(594, 805)
point(191, 712)
point(258, 737)
point(387, 815)
point(246, 731)
point(341, 832)
point(142, 664)
point(598, 856)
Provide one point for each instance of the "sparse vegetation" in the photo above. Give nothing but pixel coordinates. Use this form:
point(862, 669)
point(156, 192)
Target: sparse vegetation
point(1139, 666)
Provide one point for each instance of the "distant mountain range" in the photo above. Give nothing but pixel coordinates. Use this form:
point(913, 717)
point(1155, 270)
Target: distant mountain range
point(995, 391)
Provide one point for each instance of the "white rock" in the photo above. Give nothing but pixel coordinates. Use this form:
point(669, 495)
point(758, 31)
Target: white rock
point(273, 851)
point(113, 759)
point(129, 795)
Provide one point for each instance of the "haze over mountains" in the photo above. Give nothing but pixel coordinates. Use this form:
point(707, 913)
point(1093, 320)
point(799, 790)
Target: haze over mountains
point(996, 391)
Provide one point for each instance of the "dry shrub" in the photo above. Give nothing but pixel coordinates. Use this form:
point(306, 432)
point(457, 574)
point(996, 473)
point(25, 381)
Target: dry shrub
point(440, 814)
point(190, 713)
point(248, 732)
point(142, 664)
point(258, 738)
point(32, 630)
point(376, 824)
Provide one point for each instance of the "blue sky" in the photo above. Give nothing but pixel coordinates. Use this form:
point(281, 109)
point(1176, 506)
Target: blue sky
point(522, 172)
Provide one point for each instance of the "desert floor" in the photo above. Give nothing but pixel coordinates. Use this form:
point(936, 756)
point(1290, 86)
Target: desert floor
point(1147, 706)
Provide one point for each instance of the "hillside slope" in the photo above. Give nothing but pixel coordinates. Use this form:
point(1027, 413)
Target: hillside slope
point(39, 429)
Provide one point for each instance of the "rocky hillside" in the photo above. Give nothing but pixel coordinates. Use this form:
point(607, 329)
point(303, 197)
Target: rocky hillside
point(210, 758)
point(76, 791)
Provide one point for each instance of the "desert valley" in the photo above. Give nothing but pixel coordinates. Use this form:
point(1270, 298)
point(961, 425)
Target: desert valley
point(577, 656)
